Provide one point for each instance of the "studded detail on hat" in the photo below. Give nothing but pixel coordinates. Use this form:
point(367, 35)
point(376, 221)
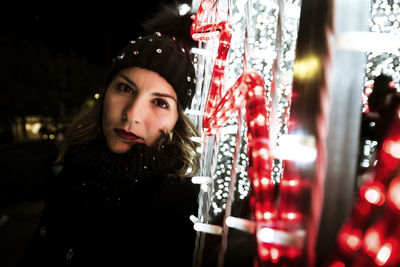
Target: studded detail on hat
point(121, 56)
point(162, 54)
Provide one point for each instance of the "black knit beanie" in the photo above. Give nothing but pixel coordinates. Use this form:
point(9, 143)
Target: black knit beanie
point(164, 55)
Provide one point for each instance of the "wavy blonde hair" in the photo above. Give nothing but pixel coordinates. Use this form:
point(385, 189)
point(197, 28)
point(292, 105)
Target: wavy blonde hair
point(86, 126)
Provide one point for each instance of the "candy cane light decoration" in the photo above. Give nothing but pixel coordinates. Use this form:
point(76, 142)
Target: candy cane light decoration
point(249, 88)
point(202, 30)
point(249, 92)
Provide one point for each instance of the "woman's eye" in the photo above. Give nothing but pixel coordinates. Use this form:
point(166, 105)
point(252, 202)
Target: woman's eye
point(161, 103)
point(123, 87)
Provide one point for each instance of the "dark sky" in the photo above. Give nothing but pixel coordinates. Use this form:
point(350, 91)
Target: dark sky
point(95, 29)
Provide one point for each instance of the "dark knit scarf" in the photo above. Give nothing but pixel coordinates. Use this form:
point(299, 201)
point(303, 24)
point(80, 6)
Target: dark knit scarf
point(99, 169)
point(141, 158)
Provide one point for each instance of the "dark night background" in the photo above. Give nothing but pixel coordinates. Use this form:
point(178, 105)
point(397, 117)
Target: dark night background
point(53, 57)
point(53, 54)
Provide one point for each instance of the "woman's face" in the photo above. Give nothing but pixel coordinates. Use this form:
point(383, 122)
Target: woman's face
point(139, 105)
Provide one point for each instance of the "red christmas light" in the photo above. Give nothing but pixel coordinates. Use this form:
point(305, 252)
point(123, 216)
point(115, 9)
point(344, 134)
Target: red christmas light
point(280, 227)
point(393, 193)
point(371, 235)
point(204, 30)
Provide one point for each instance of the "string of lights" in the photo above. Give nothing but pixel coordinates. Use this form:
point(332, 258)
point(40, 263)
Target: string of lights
point(384, 19)
point(261, 56)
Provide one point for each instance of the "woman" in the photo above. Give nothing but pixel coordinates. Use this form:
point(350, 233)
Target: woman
point(123, 197)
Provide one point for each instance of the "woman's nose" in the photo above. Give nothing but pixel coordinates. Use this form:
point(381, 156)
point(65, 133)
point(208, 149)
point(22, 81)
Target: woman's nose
point(135, 110)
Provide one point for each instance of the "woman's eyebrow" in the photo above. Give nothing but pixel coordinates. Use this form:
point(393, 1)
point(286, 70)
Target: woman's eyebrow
point(164, 95)
point(132, 83)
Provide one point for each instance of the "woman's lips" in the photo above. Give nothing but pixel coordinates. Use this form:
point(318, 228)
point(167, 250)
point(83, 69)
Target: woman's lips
point(126, 135)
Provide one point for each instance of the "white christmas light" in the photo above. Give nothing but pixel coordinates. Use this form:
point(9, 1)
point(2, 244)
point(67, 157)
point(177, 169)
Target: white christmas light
point(208, 228)
point(260, 53)
point(300, 148)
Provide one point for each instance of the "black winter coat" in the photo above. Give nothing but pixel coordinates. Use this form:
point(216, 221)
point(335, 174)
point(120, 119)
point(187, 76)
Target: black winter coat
point(116, 210)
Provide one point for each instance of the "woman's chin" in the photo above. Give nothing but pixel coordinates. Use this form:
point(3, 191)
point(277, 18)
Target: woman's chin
point(119, 147)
